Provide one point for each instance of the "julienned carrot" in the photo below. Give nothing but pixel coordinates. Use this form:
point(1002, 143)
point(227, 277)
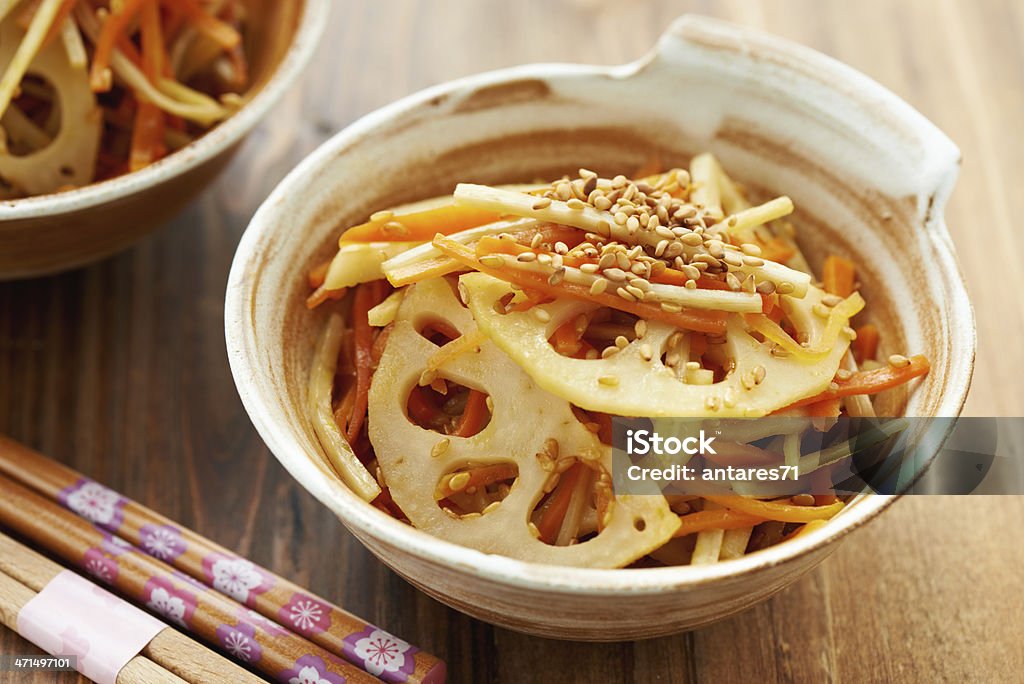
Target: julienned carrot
point(366, 298)
point(419, 225)
point(805, 529)
point(839, 275)
point(116, 23)
point(777, 249)
point(718, 519)
point(477, 477)
point(566, 339)
point(701, 321)
point(420, 408)
point(870, 382)
point(777, 510)
point(826, 408)
point(204, 22)
point(865, 346)
point(558, 504)
point(148, 132)
point(475, 415)
point(318, 274)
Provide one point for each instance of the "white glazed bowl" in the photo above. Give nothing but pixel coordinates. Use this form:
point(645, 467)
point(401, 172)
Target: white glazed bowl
point(55, 232)
point(869, 176)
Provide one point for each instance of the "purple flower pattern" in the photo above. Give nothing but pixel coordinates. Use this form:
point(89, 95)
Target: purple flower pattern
point(95, 503)
point(240, 641)
point(310, 669)
point(162, 541)
point(236, 577)
point(174, 603)
point(381, 654)
point(100, 566)
point(305, 615)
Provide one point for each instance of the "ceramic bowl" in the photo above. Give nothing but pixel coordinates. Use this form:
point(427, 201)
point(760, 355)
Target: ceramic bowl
point(869, 175)
point(55, 232)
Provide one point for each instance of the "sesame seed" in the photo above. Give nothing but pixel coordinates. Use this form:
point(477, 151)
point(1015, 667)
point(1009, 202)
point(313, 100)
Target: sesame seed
point(638, 268)
point(731, 258)
point(690, 284)
point(458, 482)
point(588, 268)
point(750, 249)
point(671, 307)
point(785, 288)
point(544, 259)
point(592, 354)
point(640, 284)
point(541, 314)
point(609, 380)
point(602, 203)
point(556, 277)
point(490, 507)
point(833, 386)
point(616, 274)
point(536, 240)
point(766, 288)
point(803, 500)
point(659, 249)
point(493, 260)
point(759, 373)
point(844, 374)
point(527, 257)
point(625, 294)
point(542, 203)
point(831, 300)
point(621, 342)
point(381, 216)
point(576, 204)
point(646, 353)
point(394, 228)
point(610, 350)
point(489, 403)
point(598, 286)
point(899, 361)
point(440, 447)
point(850, 333)
point(640, 328)
point(820, 310)
point(533, 530)
point(635, 291)
point(753, 262)
point(621, 218)
point(733, 282)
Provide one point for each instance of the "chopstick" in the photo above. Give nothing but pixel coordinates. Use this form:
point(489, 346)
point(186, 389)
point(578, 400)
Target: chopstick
point(139, 670)
point(319, 620)
point(211, 616)
point(169, 649)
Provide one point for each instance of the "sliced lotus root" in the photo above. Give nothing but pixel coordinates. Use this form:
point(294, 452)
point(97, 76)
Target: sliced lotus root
point(70, 158)
point(524, 418)
point(635, 381)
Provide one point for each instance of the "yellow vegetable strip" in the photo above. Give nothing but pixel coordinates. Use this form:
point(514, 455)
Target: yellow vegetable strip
point(839, 318)
point(27, 50)
point(775, 510)
point(321, 387)
point(706, 193)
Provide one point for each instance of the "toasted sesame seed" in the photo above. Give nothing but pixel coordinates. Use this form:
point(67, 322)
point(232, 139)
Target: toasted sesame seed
point(564, 191)
point(640, 284)
point(381, 216)
point(785, 288)
point(850, 333)
point(588, 268)
point(659, 249)
point(750, 249)
point(632, 224)
point(646, 353)
point(527, 257)
point(542, 203)
point(598, 286)
point(609, 380)
point(759, 373)
point(610, 350)
point(732, 259)
point(621, 341)
point(748, 284)
point(625, 294)
point(544, 259)
point(820, 310)
point(616, 274)
point(493, 260)
point(831, 300)
point(753, 262)
point(844, 374)
point(638, 268)
point(671, 307)
point(541, 314)
point(640, 328)
point(440, 447)
point(394, 228)
point(489, 508)
point(635, 291)
point(690, 284)
point(899, 361)
point(803, 500)
point(458, 482)
point(536, 240)
point(733, 282)
point(556, 277)
point(576, 204)
point(621, 218)
point(766, 288)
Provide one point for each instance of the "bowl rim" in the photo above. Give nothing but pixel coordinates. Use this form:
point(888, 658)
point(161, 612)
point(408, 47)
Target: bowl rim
point(300, 50)
point(364, 519)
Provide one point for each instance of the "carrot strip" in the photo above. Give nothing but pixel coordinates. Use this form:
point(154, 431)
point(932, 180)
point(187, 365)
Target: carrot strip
point(479, 477)
point(777, 249)
point(204, 22)
point(718, 519)
point(420, 225)
point(826, 408)
point(318, 274)
point(362, 333)
point(865, 346)
point(805, 529)
point(322, 294)
point(777, 510)
point(558, 504)
point(116, 23)
point(420, 408)
point(838, 276)
point(566, 339)
point(870, 382)
point(475, 415)
point(702, 321)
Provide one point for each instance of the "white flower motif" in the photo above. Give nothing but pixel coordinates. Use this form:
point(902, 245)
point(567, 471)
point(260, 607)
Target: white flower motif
point(306, 614)
point(381, 652)
point(235, 577)
point(238, 645)
point(308, 675)
point(94, 502)
point(99, 569)
point(161, 543)
point(169, 606)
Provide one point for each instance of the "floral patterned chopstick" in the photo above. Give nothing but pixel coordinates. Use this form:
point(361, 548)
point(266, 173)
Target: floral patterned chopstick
point(277, 653)
point(270, 600)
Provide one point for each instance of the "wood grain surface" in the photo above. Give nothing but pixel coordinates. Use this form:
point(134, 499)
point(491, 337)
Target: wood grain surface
point(120, 370)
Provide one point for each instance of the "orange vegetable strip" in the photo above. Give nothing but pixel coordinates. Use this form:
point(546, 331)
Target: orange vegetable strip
point(362, 333)
point(826, 408)
point(838, 276)
point(718, 519)
point(420, 408)
point(702, 321)
point(473, 417)
point(777, 249)
point(558, 504)
point(481, 477)
point(420, 225)
point(865, 347)
point(63, 12)
point(100, 77)
point(148, 134)
point(870, 382)
point(777, 510)
point(322, 294)
point(807, 528)
point(204, 22)
point(318, 274)
point(566, 339)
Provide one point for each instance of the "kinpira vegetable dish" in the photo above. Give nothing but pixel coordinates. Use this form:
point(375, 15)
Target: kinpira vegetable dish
point(92, 89)
point(481, 343)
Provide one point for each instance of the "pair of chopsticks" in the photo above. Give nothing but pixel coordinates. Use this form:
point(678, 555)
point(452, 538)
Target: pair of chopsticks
point(221, 598)
point(169, 658)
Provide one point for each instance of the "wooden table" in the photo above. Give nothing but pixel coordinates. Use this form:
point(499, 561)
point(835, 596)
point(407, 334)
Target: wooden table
point(120, 370)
